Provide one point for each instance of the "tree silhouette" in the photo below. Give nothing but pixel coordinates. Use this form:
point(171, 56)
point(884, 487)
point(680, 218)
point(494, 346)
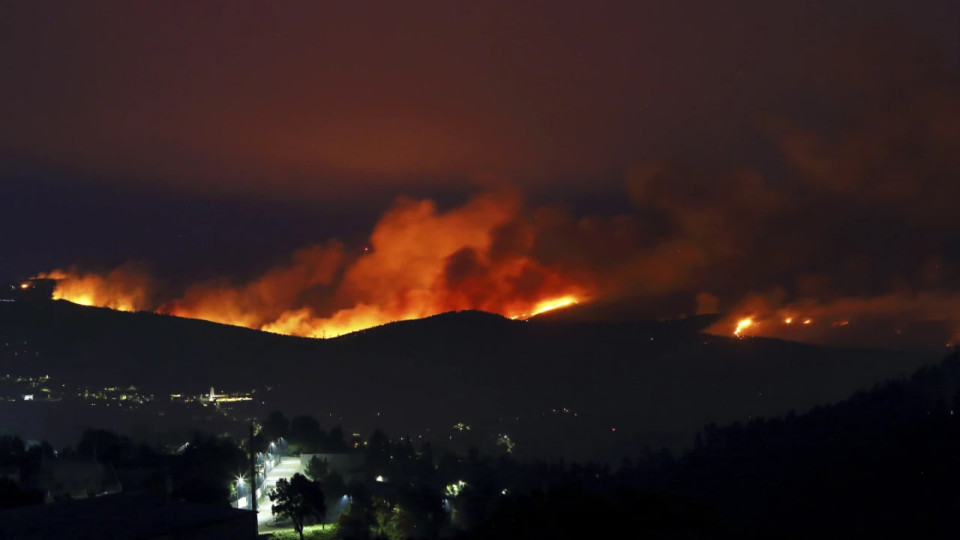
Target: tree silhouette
point(355, 522)
point(298, 499)
point(317, 468)
point(205, 470)
point(275, 426)
point(335, 440)
point(305, 434)
point(335, 487)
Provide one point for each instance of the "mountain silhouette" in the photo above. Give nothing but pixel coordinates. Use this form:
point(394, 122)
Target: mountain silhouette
point(554, 386)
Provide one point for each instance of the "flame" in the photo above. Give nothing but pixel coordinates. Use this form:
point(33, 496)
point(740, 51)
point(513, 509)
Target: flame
point(123, 289)
point(742, 325)
point(418, 262)
point(550, 305)
point(303, 322)
point(753, 322)
point(25, 285)
point(921, 318)
point(547, 305)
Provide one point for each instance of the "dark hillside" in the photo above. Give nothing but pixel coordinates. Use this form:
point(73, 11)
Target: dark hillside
point(554, 387)
point(881, 463)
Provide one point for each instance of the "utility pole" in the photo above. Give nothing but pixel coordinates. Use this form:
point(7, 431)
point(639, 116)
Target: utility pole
point(253, 472)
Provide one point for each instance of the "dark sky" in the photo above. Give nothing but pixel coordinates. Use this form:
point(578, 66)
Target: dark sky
point(206, 139)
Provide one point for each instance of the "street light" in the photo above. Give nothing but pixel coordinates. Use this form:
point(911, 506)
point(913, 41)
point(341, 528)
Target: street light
point(239, 489)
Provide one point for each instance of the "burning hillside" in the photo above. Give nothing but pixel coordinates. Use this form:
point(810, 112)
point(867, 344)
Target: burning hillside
point(876, 320)
point(419, 262)
point(845, 230)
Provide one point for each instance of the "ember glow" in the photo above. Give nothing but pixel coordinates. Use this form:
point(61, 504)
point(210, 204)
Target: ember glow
point(751, 325)
point(419, 262)
point(896, 320)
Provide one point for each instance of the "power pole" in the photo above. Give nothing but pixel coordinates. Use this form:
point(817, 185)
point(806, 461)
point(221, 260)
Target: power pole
point(253, 472)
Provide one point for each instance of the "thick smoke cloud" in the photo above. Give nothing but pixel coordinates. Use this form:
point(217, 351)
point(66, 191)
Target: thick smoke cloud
point(419, 261)
point(422, 261)
point(844, 216)
point(267, 297)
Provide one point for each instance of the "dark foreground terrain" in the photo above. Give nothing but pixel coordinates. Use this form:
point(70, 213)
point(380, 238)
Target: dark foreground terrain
point(554, 388)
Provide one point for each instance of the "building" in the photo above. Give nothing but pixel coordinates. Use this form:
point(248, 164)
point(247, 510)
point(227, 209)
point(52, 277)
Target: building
point(121, 516)
point(349, 465)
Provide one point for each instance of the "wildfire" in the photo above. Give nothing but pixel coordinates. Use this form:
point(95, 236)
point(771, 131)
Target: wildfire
point(808, 322)
point(742, 325)
point(304, 323)
point(121, 289)
point(547, 305)
point(418, 262)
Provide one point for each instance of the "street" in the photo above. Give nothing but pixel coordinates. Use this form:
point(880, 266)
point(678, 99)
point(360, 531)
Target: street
point(287, 467)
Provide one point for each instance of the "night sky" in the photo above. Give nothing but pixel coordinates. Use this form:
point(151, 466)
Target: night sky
point(289, 165)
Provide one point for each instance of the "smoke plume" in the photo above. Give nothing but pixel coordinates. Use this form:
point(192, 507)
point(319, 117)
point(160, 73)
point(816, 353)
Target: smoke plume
point(842, 224)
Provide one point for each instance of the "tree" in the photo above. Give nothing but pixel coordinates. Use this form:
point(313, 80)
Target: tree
point(335, 441)
point(355, 522)
point(317, 468)
point(384, 517)
point(298, 499)
point(335, 487)
point(12, 449)
point(206, 470)
point(421, 513)
point(275, 426)
point(105, 446)
point(305, 435)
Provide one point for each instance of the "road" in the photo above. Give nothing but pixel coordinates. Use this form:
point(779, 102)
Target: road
point(287, 467)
